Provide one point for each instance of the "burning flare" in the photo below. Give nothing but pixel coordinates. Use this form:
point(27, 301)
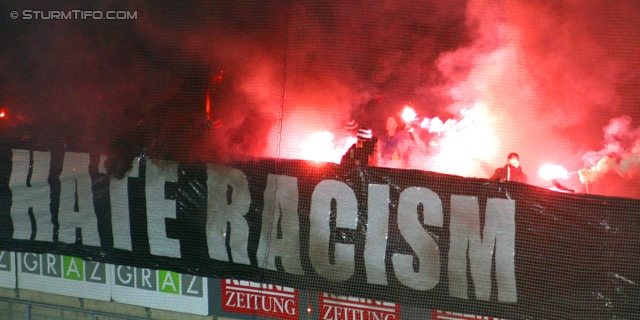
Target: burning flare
point(468, 117)
point(408, 114)
point(321, 148)
point(553, 172)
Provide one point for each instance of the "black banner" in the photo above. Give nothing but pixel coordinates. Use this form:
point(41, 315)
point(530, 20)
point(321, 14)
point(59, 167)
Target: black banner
point(412, 237)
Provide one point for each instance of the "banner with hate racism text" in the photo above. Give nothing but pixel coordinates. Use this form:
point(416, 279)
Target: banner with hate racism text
point(406, 237)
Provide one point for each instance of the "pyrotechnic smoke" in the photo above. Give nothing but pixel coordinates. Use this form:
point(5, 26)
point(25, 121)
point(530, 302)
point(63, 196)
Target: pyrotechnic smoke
point(620, 154)
point(547, 75)
point(540, 78)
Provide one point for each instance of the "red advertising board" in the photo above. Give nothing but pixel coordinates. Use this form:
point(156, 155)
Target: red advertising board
point(334, 307)
point(445, 315)
point(260, 299)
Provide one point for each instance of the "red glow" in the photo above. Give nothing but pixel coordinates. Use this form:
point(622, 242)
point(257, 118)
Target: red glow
point(320, 148)
point(551, 172)
point(461, 144)
point(208, 104)
point(408, 114)
point(217, 79)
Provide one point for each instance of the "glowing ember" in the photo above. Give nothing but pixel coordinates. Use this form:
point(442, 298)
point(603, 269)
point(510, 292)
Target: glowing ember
point(551, 172)
point(2, 113)
point(408, 114)
point(218, 77)
point(207, 105)
point(320, 148)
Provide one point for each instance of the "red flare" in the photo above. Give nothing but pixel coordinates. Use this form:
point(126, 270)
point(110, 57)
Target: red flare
point(207, 107)
point(552, 172)
point(408, 114)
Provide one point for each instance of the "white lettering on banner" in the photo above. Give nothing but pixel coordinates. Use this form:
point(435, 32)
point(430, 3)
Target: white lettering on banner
point(119, 200)
point(257, 298)
point(146, 275)
point(324, 194)
point(445, 315)
point(76, 201)
point(51, 263)
point(228, 200)
point(31, 264)
point(159, 208)
point(333, 206)
point(377, 232)
point(424, 246)
point(231, 300)
point(33, 198)
point(73, 268)
point(260, 302)
point(168, 282)
point(94, 275)
point(129, 274)
point(346, 313)
point(160, 289)
point(351, 308)
point(280, 213)
point(499, 233)
point(191, 289)
point(159, 281)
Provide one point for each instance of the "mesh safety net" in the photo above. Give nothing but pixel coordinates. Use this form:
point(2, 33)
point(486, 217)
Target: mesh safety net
point(459, 159)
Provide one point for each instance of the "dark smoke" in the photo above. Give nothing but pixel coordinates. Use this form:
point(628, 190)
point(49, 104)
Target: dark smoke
point(546, 77)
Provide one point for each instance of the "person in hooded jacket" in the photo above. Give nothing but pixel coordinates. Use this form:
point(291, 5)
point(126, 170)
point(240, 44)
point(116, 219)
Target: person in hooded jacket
point(512, 171)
